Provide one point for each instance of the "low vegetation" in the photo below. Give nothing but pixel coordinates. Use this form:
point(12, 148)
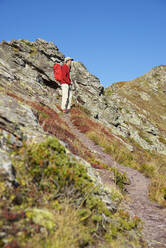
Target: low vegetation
point(57, 205)
point(151, 164)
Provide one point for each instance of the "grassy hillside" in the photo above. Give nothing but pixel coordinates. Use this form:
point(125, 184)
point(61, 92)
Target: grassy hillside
point(142, 104)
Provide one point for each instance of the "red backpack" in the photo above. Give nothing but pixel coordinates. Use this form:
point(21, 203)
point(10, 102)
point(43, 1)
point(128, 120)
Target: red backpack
point(57, 72)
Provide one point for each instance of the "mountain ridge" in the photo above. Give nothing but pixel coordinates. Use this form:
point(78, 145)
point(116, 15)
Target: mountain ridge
point(119, 123)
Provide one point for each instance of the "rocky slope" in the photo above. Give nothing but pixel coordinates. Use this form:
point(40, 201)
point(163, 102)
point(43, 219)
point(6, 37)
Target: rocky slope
point(141, 109)
point(43, 179)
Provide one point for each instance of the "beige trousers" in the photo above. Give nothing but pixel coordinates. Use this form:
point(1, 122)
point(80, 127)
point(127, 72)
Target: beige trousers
point(66, 96)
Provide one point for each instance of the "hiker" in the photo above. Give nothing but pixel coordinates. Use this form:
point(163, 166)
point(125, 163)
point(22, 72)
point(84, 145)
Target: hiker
point(66, 85)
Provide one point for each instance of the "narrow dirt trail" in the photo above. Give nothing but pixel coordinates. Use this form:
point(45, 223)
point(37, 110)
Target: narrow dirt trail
point(152, 215)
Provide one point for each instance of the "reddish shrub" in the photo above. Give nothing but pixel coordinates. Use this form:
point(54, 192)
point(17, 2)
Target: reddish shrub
point(10, 216)
point(84, 124)
point(97, 166)
point(12, 244)
point(53, 124)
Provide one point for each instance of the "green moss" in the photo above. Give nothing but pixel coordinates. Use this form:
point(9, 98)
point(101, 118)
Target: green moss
point(43, 114)
point(97, 218)
point(41, 217)
point(108, 92)
point(127, 111)
point(162, 140)
point(84, 213)
point(15, 49)
point(34, 52)
point(156, 75)
point(34, 49)
point(26, 42)
point(143, 136)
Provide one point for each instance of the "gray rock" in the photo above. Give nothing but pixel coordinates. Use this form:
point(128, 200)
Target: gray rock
point(19, 120)
point(144, 96)
point(26, 68)
point(6, 168)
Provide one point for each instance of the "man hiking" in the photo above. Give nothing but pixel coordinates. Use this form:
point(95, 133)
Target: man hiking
point(66, 85)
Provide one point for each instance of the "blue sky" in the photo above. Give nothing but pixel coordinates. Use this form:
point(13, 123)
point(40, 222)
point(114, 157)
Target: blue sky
point(117, 40)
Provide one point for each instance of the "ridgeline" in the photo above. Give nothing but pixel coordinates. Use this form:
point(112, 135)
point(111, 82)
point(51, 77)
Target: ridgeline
point(95, 177)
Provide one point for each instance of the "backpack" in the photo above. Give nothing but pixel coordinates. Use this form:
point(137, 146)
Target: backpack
point(57, 72)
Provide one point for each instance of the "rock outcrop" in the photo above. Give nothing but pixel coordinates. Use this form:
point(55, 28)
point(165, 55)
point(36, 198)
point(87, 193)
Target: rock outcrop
point(140, 109)
point(133, 112)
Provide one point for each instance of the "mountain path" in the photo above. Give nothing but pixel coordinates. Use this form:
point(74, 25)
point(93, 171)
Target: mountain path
point(138, 204)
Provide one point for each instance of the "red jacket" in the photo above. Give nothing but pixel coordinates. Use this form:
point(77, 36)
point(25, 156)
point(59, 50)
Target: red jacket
point(65, 75)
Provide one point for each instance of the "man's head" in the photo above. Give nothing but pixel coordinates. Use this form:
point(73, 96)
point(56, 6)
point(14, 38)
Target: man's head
point(68, 61)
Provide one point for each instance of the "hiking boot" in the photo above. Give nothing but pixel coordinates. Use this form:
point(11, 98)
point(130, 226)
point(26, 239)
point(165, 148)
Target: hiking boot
point(66, 111)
